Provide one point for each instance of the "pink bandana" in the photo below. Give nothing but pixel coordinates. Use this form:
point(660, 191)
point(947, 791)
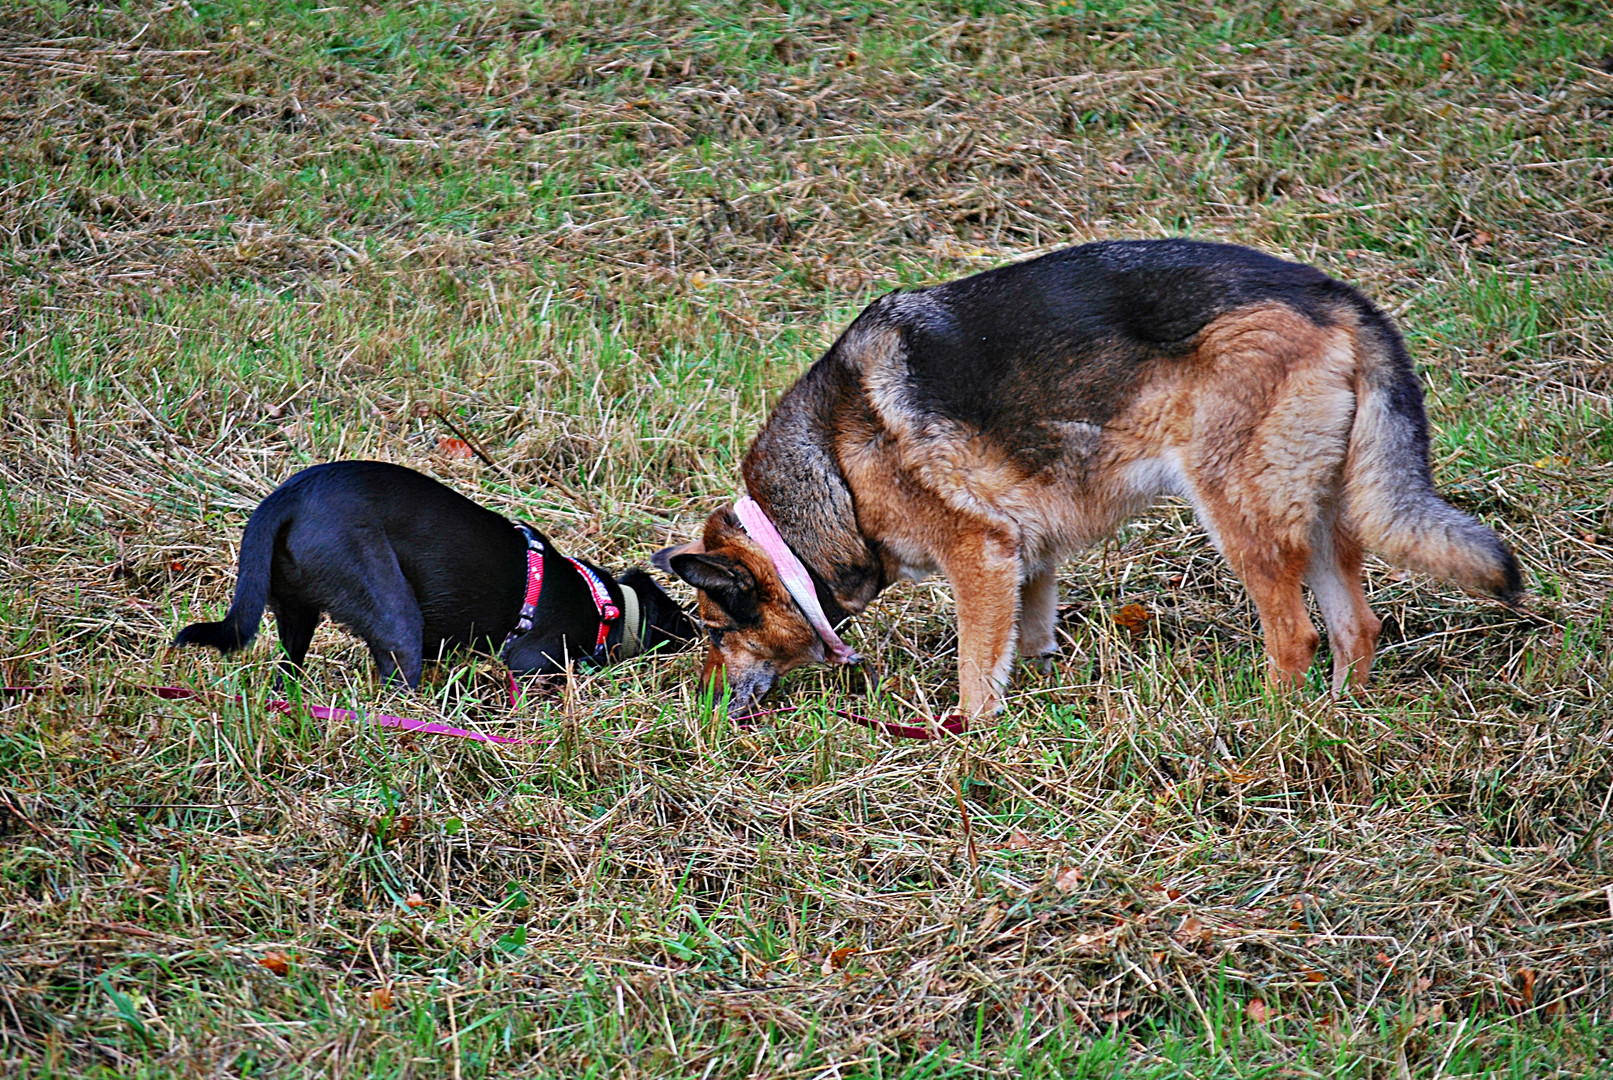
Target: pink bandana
point(794, 575)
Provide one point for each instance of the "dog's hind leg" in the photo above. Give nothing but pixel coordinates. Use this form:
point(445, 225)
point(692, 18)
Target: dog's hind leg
point(1352, 628)
point(371, 596)
point(296, 624)
point(984, 572)
point(1038, 614)
point(1271, 569)
point(1291, 639)
point(395, 638)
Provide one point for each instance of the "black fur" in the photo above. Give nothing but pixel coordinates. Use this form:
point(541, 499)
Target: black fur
point(414, 568)
point(1070, 335)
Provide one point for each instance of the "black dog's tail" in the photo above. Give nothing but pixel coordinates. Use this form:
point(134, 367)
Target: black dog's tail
point(240, 623)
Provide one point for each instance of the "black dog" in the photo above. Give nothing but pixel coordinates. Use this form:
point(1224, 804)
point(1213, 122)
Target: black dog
point(413, 567)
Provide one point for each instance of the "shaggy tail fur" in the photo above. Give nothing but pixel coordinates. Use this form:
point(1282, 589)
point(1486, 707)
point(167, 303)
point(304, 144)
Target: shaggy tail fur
point(1390, 501)
point(240, 624)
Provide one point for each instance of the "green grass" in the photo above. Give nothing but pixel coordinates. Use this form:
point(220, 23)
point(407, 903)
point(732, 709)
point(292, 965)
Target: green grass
point(236, 239)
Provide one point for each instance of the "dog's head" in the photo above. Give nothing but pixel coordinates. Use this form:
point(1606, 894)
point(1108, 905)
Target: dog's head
point(755, 630)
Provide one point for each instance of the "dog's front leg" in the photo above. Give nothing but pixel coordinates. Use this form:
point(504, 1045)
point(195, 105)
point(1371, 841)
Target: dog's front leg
point(984, 571)
point(1038, 613)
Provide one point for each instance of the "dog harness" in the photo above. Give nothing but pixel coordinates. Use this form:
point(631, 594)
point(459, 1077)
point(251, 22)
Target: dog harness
point(632, 640)
point(793, 572)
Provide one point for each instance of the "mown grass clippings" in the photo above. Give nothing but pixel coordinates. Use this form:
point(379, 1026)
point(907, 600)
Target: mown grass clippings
point(564, 257)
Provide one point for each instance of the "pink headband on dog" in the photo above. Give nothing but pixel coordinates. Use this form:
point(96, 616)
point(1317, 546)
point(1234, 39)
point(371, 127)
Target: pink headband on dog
point(794, 575)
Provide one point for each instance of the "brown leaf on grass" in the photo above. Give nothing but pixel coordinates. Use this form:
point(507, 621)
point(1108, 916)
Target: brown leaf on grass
point(837, 958)
point(277, 962)
point(1524, 979)
point(1193, 931)
point(1115, 1016)
point(381, 997)
point(454, 448)
point(1067, 880)
point(1133, 618)
point(1480, 239)
point(1017, 841)
point(1312, 976)
point(415, 900)
point(391, 828)
point(1258, 1011)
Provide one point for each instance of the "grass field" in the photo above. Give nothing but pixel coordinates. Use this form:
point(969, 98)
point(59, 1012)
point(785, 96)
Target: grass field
point(600, 239)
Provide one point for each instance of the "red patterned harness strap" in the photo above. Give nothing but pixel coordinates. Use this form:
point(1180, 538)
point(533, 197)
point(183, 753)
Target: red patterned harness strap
point(608, 611)
point(534, 587)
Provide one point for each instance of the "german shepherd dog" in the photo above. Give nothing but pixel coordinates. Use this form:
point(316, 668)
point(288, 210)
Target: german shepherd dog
point(989, 427)
point(413, 567)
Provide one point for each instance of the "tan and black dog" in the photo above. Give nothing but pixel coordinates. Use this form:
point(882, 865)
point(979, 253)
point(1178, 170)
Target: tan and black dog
point(989, 427)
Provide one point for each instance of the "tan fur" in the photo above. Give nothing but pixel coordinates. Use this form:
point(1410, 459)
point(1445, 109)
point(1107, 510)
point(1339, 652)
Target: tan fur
point(1254, 427)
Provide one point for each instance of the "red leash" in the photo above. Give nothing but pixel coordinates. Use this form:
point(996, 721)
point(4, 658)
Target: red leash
point(953, 725)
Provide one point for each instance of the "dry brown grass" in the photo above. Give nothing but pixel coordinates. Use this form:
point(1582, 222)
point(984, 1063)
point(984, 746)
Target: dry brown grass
point(603, 239)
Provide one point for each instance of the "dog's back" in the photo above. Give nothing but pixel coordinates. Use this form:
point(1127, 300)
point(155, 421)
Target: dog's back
point(990, 426)
point(402, 560)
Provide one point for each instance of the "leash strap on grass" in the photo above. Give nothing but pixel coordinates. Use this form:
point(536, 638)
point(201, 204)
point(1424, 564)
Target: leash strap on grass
point(952, 725)
point(318, 712)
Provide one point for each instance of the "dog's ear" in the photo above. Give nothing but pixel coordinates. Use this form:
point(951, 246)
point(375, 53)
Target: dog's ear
point(662, 560)
point(724, 580)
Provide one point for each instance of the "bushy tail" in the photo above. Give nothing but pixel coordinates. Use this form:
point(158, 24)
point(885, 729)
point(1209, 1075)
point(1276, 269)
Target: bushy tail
point(240, 624)
point(1390, 501)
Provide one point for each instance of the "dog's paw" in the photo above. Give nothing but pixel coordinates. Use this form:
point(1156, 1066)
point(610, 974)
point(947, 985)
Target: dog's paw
point(1042, 663)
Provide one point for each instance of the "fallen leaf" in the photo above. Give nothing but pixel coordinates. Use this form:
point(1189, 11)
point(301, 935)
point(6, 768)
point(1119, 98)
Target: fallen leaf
point(1525, 979)
point(381, 997)
point(454, 448)
point(1193, 931)
point(1479, 239)
point(1258, 1011)
point(1313, 976)
point(1017, 841)
point(1174, 894)
point(277, 962)
point(1116, 1016)
point(1132, 617)
point(1068, 880)
point(837, 958)
point(415, 900)
point(1118, 169)
point(1329, 197)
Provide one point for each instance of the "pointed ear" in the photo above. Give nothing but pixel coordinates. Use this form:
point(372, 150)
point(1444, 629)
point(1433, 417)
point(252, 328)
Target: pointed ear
point(724, 580)
point(662, 560)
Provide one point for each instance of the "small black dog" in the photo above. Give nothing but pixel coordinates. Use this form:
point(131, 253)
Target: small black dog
point(412, 567)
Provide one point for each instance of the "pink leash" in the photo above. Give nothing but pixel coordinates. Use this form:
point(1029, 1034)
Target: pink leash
point(955, 725)
point(793, 572)
point(318, 712)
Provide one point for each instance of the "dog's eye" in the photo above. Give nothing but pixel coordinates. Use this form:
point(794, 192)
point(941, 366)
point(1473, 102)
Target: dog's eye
point(716, 634)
